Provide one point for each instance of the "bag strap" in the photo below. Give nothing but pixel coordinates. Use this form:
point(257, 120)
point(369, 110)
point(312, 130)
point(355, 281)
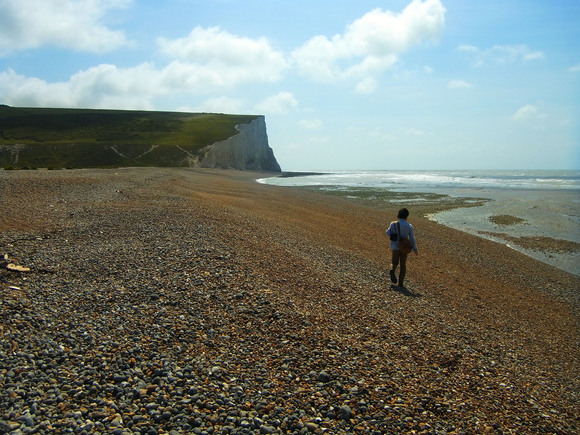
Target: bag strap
point(398, 231)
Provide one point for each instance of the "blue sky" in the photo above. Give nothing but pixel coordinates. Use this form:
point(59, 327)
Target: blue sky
point(432, 84)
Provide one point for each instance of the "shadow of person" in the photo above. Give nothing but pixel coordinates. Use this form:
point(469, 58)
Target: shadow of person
point(405, 291)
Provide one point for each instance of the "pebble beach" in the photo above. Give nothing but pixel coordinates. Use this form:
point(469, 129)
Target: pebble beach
point(190, 301)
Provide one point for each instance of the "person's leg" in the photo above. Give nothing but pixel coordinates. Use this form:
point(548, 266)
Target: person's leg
point(403, 271)
point(394, 264)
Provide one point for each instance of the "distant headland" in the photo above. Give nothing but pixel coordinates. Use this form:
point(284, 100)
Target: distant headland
point(93, 138)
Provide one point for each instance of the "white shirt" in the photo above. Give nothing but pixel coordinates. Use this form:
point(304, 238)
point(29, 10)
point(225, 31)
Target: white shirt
point(406, 231)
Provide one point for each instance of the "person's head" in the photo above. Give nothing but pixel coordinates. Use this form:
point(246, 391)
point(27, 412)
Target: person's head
point(403, 214)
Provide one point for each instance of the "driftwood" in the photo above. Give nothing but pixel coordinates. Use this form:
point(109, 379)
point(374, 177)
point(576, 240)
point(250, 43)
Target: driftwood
point(5, 263)
point(16, 268)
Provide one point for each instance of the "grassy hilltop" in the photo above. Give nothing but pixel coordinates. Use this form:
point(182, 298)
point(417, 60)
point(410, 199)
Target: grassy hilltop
point(75, 138)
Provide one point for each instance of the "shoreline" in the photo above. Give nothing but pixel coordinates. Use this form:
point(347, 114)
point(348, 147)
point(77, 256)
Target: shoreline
point(561, 253)
point(229, 304)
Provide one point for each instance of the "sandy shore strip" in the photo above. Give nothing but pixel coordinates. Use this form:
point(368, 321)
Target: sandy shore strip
point(199, 301)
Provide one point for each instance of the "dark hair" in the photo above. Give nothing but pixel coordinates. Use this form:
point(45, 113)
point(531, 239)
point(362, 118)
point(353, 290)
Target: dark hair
point(403, 214)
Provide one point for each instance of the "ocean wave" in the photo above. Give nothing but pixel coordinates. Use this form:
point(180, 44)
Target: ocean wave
point(541, 180)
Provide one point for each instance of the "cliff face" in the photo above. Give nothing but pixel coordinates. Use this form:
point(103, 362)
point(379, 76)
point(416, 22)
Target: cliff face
point(80, 138)
point(247, 150)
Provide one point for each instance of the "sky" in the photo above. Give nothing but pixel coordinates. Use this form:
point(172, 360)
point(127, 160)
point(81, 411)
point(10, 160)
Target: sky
point(343, 84)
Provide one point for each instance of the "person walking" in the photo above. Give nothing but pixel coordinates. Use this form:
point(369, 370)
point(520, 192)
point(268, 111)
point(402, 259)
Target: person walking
point(397, 229)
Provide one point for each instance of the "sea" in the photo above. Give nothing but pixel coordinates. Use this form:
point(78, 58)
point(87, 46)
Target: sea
point(546, 203)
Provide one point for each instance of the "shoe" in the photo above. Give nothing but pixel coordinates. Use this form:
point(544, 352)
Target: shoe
point(393, 277)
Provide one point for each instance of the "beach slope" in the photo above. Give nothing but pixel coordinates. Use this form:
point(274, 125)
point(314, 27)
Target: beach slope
point(199, 300)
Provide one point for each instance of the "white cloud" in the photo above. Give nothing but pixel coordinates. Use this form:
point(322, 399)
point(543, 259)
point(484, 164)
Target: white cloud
point(575, 68)
point(317, 141)
point(414, 132)
point(282, 102)
point(534, 55)
point(380, 133)
point(502, 54)
point(367, 85)
point(217, 105)
point(310, 124)
point(370, 45)
point(458, 84)
point(226, 56)
point(72, 24)
point(468, 48)
point(208, 61)
point(203, 79)
point(527, 113)
point(103, 86)
point(19, 90)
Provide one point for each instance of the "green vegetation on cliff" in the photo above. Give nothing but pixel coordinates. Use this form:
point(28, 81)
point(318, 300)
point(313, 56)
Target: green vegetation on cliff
point(59, 138)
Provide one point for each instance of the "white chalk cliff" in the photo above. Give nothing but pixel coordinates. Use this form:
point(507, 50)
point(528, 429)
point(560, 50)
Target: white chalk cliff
point(247, 150)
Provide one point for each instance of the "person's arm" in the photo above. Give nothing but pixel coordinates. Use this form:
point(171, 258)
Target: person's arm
point(412, 239)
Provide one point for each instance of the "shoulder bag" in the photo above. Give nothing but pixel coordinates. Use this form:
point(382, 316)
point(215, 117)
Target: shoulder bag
point(405, 245)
